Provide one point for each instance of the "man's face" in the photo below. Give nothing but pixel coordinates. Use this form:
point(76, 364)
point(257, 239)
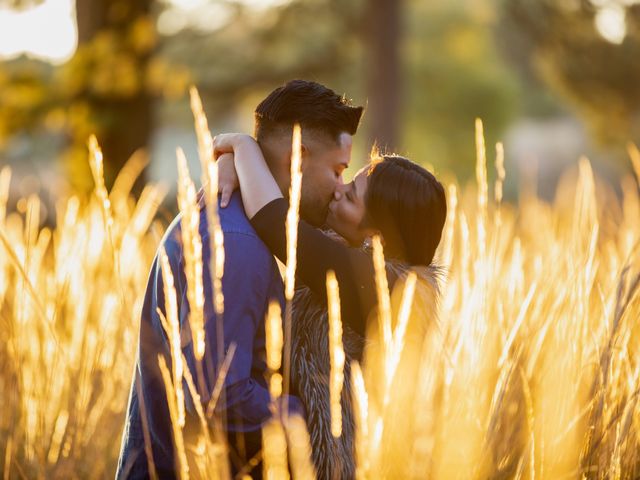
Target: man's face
point(321, 175)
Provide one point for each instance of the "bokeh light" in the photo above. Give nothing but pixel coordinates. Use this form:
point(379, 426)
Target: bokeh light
point(47, 31)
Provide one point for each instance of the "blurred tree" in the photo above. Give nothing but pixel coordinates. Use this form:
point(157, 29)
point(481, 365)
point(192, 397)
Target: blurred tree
point(453, 75)
point(107, 88)
point(352, 46)
point(106, 81)
point(24, 97)
point(383, 31)
point(568, 53)
point(256, 48)
point(426, 70)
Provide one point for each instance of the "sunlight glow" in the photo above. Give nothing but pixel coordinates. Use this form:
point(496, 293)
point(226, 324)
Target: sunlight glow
point(205, 15)
point(47, 31)
point(611, 23)
point(258, 4)
point(200, 15)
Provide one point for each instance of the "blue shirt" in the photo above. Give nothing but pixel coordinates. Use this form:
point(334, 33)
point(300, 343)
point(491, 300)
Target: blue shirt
point(251, 279)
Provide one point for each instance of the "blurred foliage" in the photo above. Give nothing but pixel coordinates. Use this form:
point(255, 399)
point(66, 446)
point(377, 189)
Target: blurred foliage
point(255, 50)
point(24, 96)
point(107, 88)
point(460, 59)
point(559, 42)
point(453, 75)
point(450, 72)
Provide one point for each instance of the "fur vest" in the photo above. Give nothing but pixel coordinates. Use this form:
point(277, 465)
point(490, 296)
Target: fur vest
point(334, 459)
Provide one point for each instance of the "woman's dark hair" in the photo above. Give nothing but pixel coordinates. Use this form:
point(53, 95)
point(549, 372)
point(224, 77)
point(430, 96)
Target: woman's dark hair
point(408, 206)
point(310, 104)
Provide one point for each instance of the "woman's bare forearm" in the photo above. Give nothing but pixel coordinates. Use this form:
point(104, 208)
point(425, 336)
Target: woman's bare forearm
point(257, 185)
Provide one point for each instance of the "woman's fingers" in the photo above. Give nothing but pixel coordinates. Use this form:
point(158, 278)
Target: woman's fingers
point(225, 196)
point(228, 142)
point(227, 178)
point(222, 144)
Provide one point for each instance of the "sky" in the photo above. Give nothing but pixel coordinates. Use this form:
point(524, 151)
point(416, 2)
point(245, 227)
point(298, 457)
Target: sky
point(49, 32)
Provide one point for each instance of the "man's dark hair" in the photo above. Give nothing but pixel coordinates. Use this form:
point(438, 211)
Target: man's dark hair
point(313, 106)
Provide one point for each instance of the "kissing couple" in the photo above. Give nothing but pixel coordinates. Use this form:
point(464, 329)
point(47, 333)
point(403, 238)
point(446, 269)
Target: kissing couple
point(392, 197)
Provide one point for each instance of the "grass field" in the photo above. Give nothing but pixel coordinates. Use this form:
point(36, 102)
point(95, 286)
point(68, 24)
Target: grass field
point(529, 370)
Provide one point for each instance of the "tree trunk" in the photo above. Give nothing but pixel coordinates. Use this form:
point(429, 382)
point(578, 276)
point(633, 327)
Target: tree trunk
point(124, 123)
point(382, 42)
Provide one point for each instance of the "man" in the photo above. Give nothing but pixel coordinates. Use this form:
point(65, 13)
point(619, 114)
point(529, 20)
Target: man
point(251, 279)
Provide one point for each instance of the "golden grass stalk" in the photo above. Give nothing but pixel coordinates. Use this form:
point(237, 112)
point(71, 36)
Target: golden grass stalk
point(24, 277)
point(483, 186)
point(153, 474)
point(273, 331)
point(96, 163)
point(5, 181)
point(293, 212)
point(192, 249)
point(274, 341)
point(138, 224)
point(336, 354)
point(216, 233)
point(197, 402)
point(361, 411)
point(124, 182)
point(210, 185)
point(222, 375)
point(274, 451)
point(56, 439)
point(295, 190)
point(178, 439)
point(275, 385)
point(203, 134)
point(7, 459)
point(446, 248)
point(397, 342)
point(481, 168)
point(384, 299)
point(299, 449)
point(213, 460)
point(172, 328)
point(516, 326)
point(634, 154)
point(500, 171)
point(97, 169)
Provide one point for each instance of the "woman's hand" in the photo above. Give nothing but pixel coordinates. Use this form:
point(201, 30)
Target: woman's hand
point(231, 143)
point(227, 178)
point(226, 147)
point(257, 185)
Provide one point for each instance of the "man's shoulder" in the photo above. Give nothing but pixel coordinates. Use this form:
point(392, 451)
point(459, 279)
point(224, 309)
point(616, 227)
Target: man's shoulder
point(240, 238)
point(239, 234)
point(233, 218)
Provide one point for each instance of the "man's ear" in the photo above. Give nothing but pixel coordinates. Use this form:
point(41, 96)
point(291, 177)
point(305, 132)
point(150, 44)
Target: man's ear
point(304, 154)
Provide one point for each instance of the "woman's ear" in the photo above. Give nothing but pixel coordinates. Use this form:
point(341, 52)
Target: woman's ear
point(370, 234)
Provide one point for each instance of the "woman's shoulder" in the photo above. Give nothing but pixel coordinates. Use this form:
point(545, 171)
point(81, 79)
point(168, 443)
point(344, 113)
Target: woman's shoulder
point(430, 277)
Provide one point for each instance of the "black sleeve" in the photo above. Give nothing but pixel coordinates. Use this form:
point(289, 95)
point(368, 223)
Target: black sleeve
point(316, 254)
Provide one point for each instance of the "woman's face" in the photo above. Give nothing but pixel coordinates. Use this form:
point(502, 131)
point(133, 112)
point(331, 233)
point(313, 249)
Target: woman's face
point(347, 209)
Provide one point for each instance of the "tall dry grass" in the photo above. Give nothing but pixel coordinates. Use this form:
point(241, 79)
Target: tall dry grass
point(528, 368)
point(70, 299)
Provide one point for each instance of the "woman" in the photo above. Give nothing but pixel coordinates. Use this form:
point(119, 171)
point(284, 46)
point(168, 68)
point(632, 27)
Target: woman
point(394, 198)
